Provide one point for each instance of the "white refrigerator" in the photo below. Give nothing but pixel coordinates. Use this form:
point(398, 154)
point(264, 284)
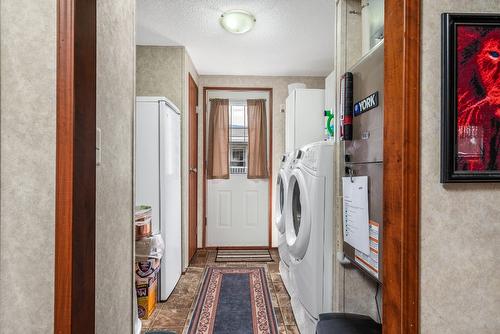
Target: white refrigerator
point(158, 179)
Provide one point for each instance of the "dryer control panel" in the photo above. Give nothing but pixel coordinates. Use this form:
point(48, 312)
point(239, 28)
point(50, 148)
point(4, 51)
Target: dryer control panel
point(283, 160)
point(310, 158)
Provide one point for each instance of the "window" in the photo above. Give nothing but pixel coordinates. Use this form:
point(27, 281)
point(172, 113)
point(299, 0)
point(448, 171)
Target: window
point(238, 156)
point(238, 138)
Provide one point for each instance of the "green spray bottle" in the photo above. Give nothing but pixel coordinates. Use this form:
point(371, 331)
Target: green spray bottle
point(330, 124)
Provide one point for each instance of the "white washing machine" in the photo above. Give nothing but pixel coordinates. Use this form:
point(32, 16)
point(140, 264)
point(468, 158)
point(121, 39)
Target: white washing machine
point(309, 233)
point(280, 208)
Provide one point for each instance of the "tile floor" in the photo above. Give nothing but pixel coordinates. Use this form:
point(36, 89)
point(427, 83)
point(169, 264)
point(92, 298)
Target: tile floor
point(175, 313)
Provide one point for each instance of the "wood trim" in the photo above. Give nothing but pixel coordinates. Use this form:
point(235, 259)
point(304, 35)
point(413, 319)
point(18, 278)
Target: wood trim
point(64, 168)
point(192, 239)
point(270, 171)
point(204, 172)
point(74, 290)
point(401, 167)
point(270, 162)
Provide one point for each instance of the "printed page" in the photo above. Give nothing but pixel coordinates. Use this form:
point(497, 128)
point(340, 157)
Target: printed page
point(356, 227)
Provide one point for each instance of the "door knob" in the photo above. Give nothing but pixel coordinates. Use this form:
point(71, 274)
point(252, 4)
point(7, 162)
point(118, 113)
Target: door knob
point(193, 170)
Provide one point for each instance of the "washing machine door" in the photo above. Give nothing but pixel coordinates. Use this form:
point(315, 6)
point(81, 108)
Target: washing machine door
point(298, 215)
point(279, 205)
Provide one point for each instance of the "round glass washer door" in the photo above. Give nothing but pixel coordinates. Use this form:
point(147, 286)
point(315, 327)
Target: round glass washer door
point(279, 204)
point(298, 216)
point(296, 208)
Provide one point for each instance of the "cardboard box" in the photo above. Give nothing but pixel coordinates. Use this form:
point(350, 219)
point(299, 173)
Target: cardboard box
point(146, 298)
point(146, 285)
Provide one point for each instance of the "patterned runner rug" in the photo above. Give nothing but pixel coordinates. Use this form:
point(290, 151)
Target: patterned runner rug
point(241, 255)
point(234, 300)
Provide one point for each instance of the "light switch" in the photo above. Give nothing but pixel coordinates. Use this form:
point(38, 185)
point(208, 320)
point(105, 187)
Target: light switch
point(98, 147)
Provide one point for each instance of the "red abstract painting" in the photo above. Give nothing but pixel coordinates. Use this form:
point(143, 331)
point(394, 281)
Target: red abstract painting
point(478, 98)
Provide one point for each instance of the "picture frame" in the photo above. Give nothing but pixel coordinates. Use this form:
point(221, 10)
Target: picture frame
point(470, 110)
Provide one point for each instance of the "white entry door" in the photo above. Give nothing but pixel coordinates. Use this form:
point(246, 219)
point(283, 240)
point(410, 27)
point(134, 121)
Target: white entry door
point(237, 208)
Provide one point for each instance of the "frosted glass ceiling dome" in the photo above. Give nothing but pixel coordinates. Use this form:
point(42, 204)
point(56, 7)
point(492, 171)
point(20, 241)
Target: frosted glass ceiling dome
point(237, 21)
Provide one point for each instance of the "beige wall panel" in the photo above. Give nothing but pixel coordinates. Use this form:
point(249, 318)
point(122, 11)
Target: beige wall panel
point(114, 201)
point(28, 139)
point(460, 224)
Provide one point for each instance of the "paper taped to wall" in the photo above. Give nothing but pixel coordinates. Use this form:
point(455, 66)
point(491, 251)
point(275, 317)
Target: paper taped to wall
point(355, 217)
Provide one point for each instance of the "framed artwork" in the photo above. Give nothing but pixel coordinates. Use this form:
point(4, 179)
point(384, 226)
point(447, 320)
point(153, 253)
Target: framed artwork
point(470, 124)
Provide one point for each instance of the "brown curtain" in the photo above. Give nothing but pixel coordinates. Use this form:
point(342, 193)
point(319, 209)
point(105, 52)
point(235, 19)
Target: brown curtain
point(218, 140)
point(257, 139)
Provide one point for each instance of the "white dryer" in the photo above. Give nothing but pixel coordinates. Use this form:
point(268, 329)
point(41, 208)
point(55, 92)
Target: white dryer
point(309, 233)
point(280, 210)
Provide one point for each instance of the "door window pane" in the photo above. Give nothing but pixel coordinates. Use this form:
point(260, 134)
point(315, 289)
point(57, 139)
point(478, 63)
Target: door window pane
point(238, 139)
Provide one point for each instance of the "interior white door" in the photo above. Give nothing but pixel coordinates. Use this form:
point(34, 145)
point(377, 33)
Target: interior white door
point(238, 207)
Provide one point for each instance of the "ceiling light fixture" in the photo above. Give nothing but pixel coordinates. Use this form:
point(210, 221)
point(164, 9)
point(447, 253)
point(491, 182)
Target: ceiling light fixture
point(237, 21)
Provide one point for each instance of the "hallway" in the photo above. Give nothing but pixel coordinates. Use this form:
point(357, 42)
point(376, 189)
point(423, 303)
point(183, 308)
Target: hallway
point(175, 313)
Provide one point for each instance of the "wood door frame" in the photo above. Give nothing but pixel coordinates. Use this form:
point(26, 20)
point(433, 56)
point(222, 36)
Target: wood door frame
point(401, 235)
point(190, 79)
point(270, 157)
point(75, 221)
